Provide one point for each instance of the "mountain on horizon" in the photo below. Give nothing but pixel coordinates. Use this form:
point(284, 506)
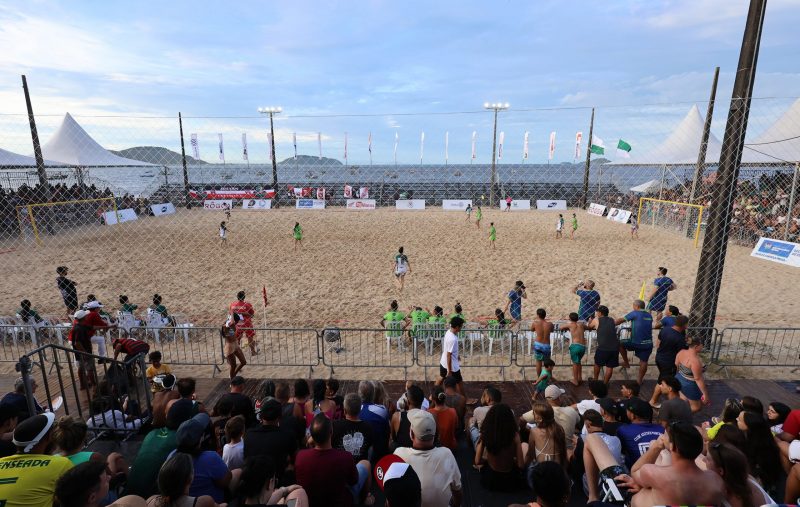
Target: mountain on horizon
point(311, 160)
point(156, 155)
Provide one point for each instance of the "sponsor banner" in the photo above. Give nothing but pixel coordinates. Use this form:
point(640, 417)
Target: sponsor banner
point(361, 204)
point(163, 209)
point(619, 215)
point(119, 216)
point(218, 204)
point(554, 205)
point(783, 252)
point(257, 204)
point(596, 209)
point(456, 204)
point(310, 204)
point(409, 204)
point(517, 204)
point(232, 194)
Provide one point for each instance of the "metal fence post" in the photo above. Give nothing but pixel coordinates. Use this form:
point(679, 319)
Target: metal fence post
point(24, 368)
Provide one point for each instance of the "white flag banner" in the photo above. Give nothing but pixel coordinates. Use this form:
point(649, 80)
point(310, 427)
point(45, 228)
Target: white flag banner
point(552, 146)
point(294, 141)
point(525, 147)
point(396, 141)
point(221, 150)
point(244, 146)
point(578, 139)
point(500, 146)
point(195, 147)
point(319, 144)
point(369, 144)
point(474, 137)
point(446, 145)
point(421, 146)
point(345, 147)
point(269, 146)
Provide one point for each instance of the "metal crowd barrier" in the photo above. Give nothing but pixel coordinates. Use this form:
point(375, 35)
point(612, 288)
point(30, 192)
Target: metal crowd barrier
point(751, 346)
point(358, 348)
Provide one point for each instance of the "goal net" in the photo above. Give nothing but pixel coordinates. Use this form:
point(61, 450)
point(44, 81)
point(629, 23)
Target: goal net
point(37, 221)
point(679, 217)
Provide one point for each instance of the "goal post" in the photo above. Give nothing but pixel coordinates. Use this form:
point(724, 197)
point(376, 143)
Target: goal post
point(47, 218)
point(680, 217)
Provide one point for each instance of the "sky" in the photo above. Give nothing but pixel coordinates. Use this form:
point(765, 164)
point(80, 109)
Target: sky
point(384, 68)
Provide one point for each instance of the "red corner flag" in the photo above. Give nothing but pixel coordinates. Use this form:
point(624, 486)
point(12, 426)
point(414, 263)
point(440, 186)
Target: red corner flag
point(264, 294)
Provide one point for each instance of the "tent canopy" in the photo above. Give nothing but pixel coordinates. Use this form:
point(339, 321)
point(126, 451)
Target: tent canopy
point(779, 143)
point(647, 187)
point(11, 160)
point(71, 145)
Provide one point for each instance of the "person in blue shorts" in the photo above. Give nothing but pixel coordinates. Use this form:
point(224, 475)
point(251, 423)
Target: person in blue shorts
point(542, 328)
point(658, 296)
point(641, 342)
point(514, 303)
point(670, 312)
point(590, 300)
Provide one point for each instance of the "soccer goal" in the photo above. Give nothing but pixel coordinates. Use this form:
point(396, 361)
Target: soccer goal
point(38, 220)
point(681, 217)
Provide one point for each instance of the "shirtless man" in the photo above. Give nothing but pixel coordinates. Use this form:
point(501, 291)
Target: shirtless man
point(541, 347)
point(680, 482)
point(577, 346)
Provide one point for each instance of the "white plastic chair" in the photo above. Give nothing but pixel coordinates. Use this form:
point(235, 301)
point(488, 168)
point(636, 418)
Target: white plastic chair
point(496, 333)
point(126, 322)
point(155, 324)
point(472, 333)
point(30, 328)
point(394, 331)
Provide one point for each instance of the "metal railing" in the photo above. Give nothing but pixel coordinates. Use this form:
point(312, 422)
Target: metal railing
point(766, 346)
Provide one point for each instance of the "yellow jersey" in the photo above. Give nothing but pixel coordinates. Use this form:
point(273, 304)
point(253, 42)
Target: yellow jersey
point(29, 480)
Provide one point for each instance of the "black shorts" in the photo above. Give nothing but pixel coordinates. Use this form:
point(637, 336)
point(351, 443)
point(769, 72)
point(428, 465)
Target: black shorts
point(666, 368)
point(613, 492)
point(609, 358)
point(456, 374)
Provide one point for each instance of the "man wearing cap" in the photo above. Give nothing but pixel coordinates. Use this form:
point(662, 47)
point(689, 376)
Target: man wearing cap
point(29, 477)
point(399, 482)
point(268, 439)
point(566, 417)
point(18, 400)
point(637, 436)
point(514, 303)
point(83, 328)
point(435, 466)
point(242, 404)
point(211, 474)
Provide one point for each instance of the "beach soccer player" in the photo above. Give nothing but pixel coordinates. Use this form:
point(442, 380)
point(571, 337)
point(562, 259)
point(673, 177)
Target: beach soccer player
point(245, 324)
point(634, 227)
point(478, 216)
point(577, 346)
point(401, 267)
point(223, 232)
point(508, 203)
point(560, 226)
point(492, 234)
point(574, 226)
point(469, 211)
point(641, 342)
point(68, 291)
point(514, 302)
point(542, 328)
point(662, 285)
point(590, 300)
point(297, 233)
point(227, 212)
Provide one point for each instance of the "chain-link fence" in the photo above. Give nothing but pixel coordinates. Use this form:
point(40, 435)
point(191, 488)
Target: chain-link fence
point(129, 215)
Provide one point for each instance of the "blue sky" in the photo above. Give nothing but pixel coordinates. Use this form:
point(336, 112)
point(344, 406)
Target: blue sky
point(386, 59)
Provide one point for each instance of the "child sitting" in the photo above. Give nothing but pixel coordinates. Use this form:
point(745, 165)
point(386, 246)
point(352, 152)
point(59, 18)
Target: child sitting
point(156, 368)
point(233, 451)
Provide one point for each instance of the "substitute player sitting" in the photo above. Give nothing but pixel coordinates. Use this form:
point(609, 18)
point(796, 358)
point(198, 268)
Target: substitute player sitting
point(577, 346)
point(541, 346)
point(245, 324)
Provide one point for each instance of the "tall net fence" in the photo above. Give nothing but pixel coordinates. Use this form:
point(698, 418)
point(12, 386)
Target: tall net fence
point(122, 210)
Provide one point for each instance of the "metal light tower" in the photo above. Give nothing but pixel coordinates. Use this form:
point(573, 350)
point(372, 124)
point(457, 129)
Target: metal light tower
point(272, 111)
point(498, 106)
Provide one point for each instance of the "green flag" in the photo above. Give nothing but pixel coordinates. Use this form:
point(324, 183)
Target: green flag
point(597, 147)
point(623, 149)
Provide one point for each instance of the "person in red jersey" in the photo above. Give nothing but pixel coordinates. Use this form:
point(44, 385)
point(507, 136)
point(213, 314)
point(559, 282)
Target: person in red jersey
point(245, 324)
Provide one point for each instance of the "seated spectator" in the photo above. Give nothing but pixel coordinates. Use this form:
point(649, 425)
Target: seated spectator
point(258, 486)
point(220, 416)
point(398, 481)
point(791, 426)
point(156, 368)
point(211, 475)
point(319, 402)
point(155, 448)
point(777, 413)
point(69, 436)
point(107, 419)
point(761, 449)
point(289, 422)
point(160, 309)
point(18, 400)
point(175, 479)
point(377, 417)
point(332, 394)
point(301, 396)
point(551, 485)
point(637, 435)
point(500, 454)
point(729, 415)
point(8, 421)
point(629, 389)
point(566, 417)
point(674, 408)
point(741, 489)
point(546, 441)
point(130, 347)
point(125, 305)
point(265, 390)
point(382, 400)
point(329, 475)
point(351, 434)
point(267, 439)
point(28, 477)
point(455, 399)
point(241, 403)
point(186, 387)
point(435, 466)
point(402, 401)
point(400, 425)
point(87, 485)
point(597, 389)
point(610, 409)
point(491, 396)
point(28, 314)
point(595, 425)
point(752, 404)
point(446, 419)
point(165, 392)
point(233, 450)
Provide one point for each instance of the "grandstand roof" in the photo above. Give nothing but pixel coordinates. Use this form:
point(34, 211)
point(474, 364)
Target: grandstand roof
point(11, 160)
point(779, 143)
point(72, 145)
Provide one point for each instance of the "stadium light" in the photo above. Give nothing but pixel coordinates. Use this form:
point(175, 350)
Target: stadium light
point(272, 110)
point(494, 106)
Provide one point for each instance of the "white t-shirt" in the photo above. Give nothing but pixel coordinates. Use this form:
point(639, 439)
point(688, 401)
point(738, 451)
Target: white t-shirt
point(450, 345)
point(585, 405)
point(438, 473)
point(560, 224)
point(233, 455)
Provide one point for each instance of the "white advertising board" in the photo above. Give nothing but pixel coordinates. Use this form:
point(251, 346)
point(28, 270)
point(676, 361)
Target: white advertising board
point(619, 215)
point(782, 252)
point(517, 204)
point(552, 205)
point(310, 204)
point(456, 204)
point(596, 209)
point(257, 204)
point(409, 204)
point(163, 209)
point(218, 204)
point(119, 216)
point(361, 204)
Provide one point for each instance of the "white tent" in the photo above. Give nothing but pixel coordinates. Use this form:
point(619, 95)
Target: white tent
point(11, 160)
point(779, 143)
point(71, 145)
point(647, 187)
point(681, 147)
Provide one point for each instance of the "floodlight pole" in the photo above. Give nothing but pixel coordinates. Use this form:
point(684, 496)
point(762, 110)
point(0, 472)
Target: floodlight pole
point(701, 156)
point(584, 197)
point(183, 159)
point(494, 107)
point(715, 244)
point(37, 148)
point(272, 147)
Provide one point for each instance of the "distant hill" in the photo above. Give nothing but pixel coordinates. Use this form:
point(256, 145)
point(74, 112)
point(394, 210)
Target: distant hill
point(156, 155)
point(311, 160)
